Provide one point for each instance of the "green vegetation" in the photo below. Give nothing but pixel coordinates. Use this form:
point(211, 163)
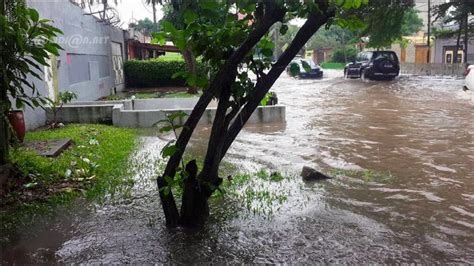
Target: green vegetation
point(145, 26)
point(171, 57)
point(366, 175)
point(157, 72)
point(94, 166)
point(150, 95)
point(344, 55)
point(22, 56)
point(332, 65)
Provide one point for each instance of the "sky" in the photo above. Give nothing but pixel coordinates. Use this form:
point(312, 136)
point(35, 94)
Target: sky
point(135, 10)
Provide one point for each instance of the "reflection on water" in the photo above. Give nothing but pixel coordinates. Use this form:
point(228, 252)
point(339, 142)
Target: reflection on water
point(417, 130)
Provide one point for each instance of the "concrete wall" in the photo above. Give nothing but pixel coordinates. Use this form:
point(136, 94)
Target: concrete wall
point(147, 118)
point(122, 114)
point(433, 69)
point(168, 103)
point(85, 65)
point(440, 45)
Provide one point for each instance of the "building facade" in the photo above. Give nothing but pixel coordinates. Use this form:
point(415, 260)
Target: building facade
point(91, 62)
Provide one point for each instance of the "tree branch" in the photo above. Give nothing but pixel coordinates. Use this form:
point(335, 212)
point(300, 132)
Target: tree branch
point(221, 79)
point(312, 24)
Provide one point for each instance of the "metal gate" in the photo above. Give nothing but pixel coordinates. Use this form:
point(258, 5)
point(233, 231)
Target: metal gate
point(117, 62)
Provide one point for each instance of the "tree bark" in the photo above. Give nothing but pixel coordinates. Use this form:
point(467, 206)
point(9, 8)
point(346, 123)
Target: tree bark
point(466, 30)
point(221, 79)
point(153, 4)
point(458, 41)
point(4, 131)
point(197, 210)
point(194, 207)
point(190, 60)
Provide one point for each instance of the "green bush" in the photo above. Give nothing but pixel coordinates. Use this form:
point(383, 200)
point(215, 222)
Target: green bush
point(350, 55)
point(156, 72)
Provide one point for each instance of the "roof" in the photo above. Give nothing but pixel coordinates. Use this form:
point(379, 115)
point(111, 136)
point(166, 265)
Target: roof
point(156, 47)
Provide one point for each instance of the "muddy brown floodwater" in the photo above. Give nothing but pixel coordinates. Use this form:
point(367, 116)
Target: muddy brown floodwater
point(417, 130)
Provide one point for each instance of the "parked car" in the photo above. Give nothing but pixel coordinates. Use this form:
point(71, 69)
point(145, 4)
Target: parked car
point(315, 72)
point(374, 65)
point(469, 85)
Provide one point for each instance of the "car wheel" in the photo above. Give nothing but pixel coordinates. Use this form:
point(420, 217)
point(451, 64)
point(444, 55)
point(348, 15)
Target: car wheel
point(363, 75)
point(346, 76)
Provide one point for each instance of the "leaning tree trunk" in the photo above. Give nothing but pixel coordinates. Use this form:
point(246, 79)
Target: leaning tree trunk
point(190, 60)
point(221, 78)
point(198, 190)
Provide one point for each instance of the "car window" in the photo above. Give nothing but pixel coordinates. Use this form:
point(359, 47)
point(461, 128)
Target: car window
point(385, 55)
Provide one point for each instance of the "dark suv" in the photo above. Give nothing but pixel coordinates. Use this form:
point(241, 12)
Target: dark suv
point(374, 65)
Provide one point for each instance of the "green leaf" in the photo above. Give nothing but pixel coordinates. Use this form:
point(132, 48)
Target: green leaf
point(166, 129)
point(306, 66)
point(189, 16)
point(294, 69)
point(168, 151)
point(174, 115)
point(34, 14)
point(169, 27)
point(159, 37)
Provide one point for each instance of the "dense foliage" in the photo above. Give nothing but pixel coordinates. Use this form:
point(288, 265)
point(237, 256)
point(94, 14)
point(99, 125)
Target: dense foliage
point(145, 26)
point(26, 41)
point(234, 39)
point(156, 72)
point(341, 55)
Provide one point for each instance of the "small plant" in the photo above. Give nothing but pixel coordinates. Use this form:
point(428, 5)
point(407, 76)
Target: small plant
point(269, 99)
point(57, 105)
point(169, 124)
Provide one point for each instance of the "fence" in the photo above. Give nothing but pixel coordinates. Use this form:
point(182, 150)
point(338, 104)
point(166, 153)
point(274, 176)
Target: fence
point(433, 69)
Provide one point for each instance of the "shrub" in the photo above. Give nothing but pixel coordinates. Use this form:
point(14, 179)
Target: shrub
point(338, 55)
point(156, 72)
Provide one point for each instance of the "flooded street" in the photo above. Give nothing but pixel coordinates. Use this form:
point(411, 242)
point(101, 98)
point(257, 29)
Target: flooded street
point(417, 131)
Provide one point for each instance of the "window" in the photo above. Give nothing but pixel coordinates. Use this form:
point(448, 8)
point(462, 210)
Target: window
point(385, 55)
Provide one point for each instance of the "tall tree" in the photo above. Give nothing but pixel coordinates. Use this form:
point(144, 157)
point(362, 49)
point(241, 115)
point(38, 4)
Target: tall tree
point(153, 4)
point(177, 12)
point(384, 21)
point(229, 49)
point(458, 12)
point(412, 23)
point(145, 26)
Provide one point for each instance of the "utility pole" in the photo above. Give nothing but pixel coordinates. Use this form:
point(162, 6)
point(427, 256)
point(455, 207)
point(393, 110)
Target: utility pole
point(429, 31)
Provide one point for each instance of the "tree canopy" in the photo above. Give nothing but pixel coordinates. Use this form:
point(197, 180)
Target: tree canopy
point(145, 26)
point(226, 36)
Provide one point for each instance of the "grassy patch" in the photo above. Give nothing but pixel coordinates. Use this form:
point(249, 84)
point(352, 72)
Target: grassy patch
point(171, 57)
point(331, 65)
point(94, 166)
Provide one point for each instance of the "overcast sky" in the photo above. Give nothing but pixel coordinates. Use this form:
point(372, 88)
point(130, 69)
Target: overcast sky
point(135, 10)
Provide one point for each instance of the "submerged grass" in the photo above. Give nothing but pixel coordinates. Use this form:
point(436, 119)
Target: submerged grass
point(366, 175)
point(95, 166)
